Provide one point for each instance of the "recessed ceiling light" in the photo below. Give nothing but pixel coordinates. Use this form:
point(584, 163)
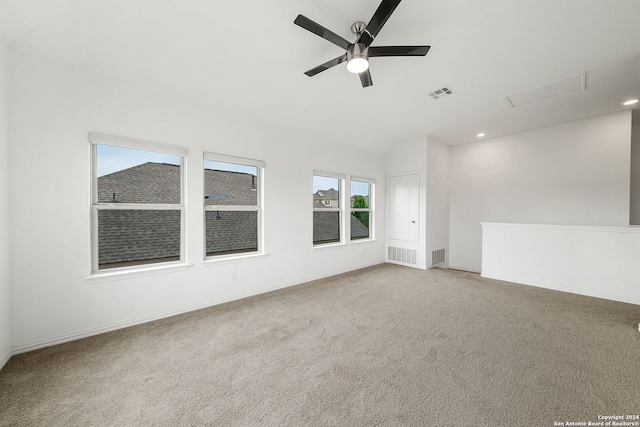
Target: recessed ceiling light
point(480, 135)
point(630, 102)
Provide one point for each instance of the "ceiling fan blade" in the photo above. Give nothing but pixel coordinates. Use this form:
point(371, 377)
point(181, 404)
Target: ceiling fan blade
point(365, 78)
point(398, 51)
point(320, 68)
point(315, 28)
point(379, 18)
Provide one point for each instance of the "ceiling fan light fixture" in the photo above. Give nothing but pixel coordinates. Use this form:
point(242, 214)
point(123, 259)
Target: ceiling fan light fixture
point(358, 65)
point(358, 53)
point(358, 58)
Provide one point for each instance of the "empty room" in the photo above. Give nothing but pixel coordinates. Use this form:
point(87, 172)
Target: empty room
point(376, 212)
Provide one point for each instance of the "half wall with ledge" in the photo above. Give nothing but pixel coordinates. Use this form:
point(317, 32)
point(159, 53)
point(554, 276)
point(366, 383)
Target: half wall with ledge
point(597, 261)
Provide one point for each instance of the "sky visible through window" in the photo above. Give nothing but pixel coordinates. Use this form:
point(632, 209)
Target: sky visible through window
point(113, 159)
point(230, 167)
point(324, 183)
point(359, 188)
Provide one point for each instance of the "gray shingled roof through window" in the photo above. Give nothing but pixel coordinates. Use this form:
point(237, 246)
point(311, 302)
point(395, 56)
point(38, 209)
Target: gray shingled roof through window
point(140, 236)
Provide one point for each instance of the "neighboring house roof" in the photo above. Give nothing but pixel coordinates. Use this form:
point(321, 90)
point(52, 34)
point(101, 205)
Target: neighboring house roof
point(145, 183)
point(143, 235)
point(160, 183)
point(230, 188)
point(358, 229)
point(326, 227)
point(136, 235)
point(329, 194)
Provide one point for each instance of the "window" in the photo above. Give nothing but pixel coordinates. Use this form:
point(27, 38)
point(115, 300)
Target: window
point(327, 208)
point(232, 205)
point(361, 212)
point(137, 202)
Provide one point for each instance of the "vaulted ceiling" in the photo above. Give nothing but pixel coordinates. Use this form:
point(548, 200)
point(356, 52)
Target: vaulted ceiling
point(247, 57)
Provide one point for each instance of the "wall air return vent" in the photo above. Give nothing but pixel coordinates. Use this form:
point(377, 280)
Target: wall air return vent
point(552, 90)
point(401, 255)
point(437, 257)
point(441, 92)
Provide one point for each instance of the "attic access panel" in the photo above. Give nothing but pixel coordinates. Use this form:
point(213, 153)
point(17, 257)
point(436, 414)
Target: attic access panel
point(552, 90)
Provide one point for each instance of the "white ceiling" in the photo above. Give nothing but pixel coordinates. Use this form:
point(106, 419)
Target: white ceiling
point(247, 56)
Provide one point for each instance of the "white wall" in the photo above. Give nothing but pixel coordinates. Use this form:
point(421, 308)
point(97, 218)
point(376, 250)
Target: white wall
point(634, 215)
point(438, 195)
point(574, 173)
point(411, 156)
point(5, 290)
point(53, 109)
point(596, 261)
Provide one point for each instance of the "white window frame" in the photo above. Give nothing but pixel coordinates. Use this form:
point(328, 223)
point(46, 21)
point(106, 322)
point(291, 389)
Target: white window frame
point(260, 167)
point(96, 139)
point(342, 178)
point(370, 209)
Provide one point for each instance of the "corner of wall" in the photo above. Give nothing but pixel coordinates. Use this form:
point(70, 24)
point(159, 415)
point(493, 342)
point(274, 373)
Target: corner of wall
point(531, 177)
point(634, 196)
point(438, 206)
point(5, 290)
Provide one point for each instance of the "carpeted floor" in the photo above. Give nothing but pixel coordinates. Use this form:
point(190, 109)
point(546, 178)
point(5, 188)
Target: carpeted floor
point(387, 346)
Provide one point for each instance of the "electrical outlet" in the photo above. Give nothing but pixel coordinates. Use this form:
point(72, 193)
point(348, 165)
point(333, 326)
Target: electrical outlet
point(232, 275)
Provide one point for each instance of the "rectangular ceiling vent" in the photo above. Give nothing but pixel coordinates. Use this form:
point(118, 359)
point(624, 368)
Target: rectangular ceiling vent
point(441, 92)
point(552, 90)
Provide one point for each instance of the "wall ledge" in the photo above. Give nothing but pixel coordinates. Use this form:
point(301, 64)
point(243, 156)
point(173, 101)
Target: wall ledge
point(591, 228)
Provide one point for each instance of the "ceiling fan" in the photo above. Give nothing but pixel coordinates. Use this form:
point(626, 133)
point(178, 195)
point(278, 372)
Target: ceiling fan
point(358, 53)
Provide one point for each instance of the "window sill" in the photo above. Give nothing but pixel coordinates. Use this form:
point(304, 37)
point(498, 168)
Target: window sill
point(221, 260)
point(107, 276)
point(358, 241)
point(328, 245)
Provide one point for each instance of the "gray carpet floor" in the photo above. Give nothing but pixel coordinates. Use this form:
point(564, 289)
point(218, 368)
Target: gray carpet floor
point(387, 346)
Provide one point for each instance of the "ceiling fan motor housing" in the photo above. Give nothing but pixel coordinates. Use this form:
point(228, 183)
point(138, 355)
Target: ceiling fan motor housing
point(358, 28)
point(357, 53)
point(357, 50)
point(357, 58)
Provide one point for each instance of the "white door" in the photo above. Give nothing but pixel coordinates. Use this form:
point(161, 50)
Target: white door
point(402, 191)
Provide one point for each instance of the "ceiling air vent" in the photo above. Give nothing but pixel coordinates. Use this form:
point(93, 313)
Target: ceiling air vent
point(443, 91)
point(558, 88)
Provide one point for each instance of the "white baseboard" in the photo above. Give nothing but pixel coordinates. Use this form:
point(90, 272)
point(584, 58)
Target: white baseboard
point(602, 295)
point(24, 348)
point(469, 270)
point(4, 359)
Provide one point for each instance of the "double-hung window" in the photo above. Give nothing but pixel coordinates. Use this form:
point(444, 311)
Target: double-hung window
point(137, 202)
point(361, 202)
point(232, 205)
point(327, 207)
